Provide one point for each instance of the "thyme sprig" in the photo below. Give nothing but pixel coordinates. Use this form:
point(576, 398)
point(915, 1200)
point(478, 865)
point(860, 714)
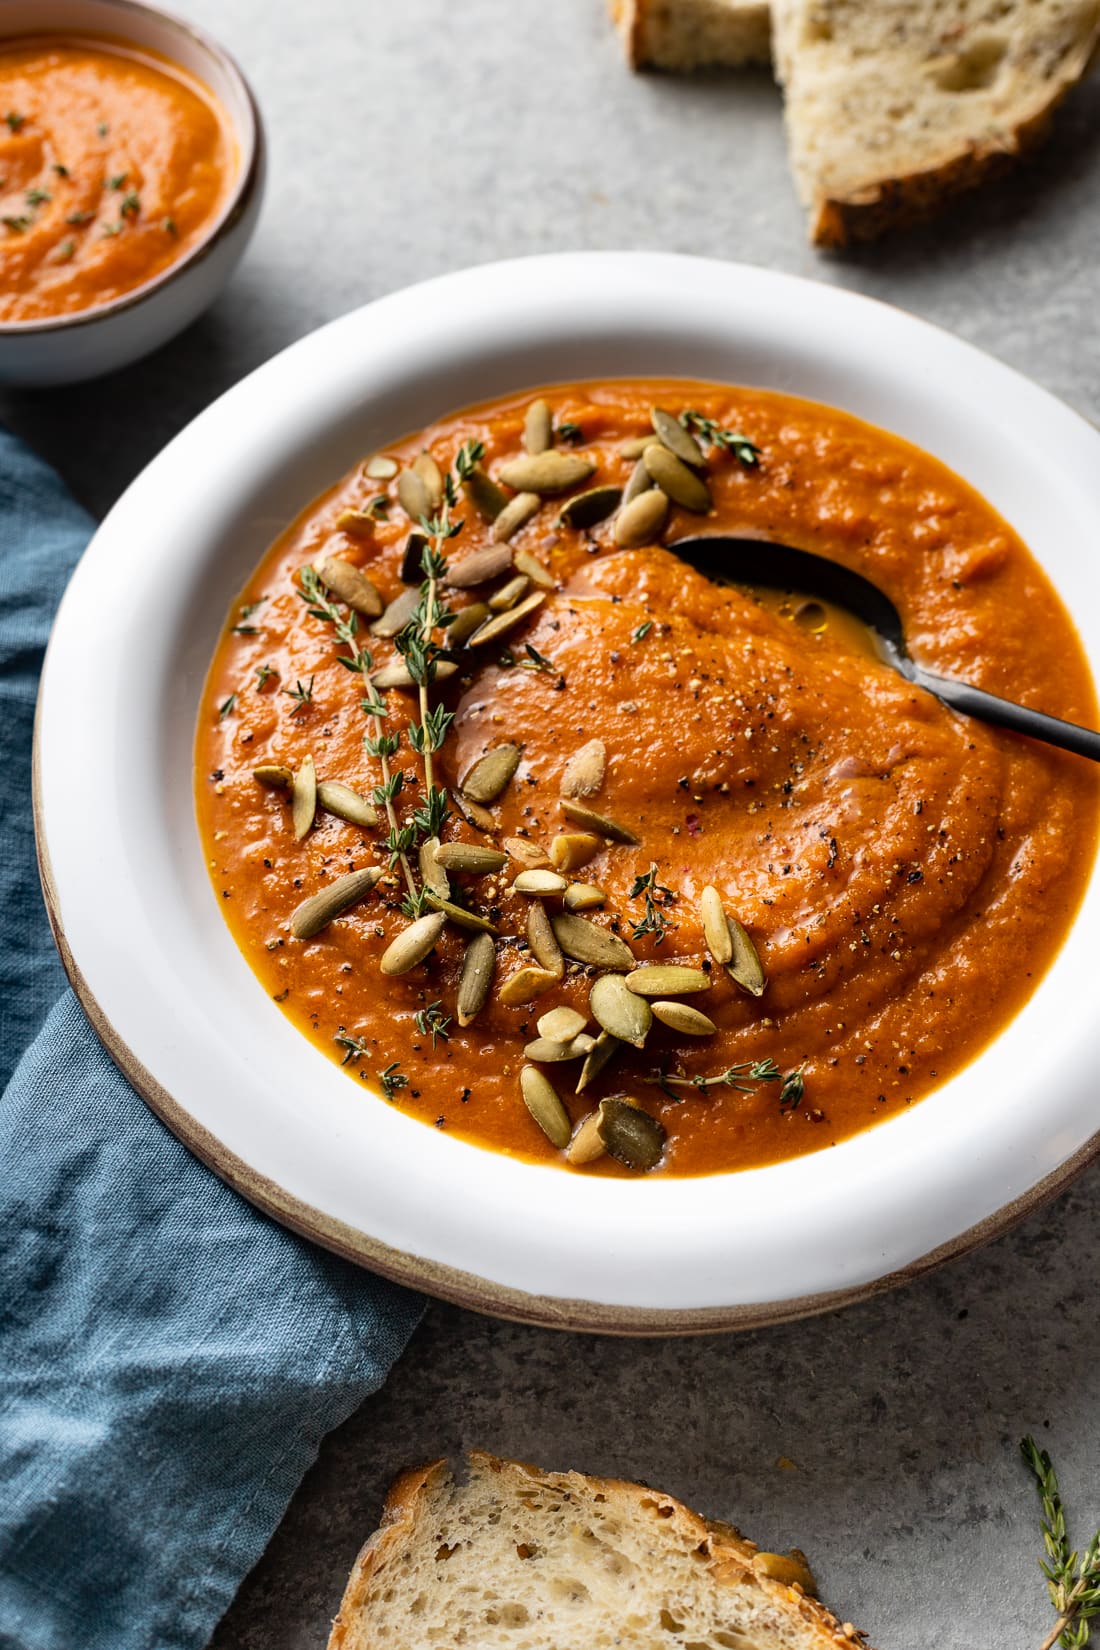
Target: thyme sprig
point(432, 1022)
point(731, 441)
point(392, 1078)
point(1073, 1581)
point(656, 920)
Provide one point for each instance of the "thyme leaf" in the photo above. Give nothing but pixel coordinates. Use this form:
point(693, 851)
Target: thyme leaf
point(1073, 1581)
point(656, 920)
point(432, 1022)
point(732, 441)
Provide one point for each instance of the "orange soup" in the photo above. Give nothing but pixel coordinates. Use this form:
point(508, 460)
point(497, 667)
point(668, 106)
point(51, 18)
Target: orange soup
point(113, 165)
point(560, 846)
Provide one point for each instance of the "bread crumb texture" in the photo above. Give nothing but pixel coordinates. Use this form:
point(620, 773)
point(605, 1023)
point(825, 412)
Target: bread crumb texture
point(504, 1555)
point(682, 35)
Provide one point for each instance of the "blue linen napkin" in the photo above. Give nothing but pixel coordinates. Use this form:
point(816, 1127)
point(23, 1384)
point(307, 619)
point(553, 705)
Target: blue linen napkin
point(169, 1358)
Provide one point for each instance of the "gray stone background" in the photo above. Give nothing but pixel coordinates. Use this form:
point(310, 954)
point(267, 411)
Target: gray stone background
point(409, 139)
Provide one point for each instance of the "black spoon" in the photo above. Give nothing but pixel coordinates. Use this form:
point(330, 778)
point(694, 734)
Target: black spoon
point(781, 567)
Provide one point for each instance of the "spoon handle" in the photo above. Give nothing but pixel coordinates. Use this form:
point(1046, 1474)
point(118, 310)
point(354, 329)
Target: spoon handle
point(1004, 713)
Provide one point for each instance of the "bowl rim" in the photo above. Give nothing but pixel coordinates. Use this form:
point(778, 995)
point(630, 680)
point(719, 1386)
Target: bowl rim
point(340, 374)
point(253, 145)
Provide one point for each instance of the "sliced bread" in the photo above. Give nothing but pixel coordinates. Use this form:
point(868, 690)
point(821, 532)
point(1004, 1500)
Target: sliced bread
point(680, 35)
point(895, 105)
point(506, 1557)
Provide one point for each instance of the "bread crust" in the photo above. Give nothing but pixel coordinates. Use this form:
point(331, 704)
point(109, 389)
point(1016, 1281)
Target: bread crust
point(644, 24)
point(403, 1501)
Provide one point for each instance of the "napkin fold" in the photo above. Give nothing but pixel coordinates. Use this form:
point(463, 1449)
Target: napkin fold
point(170, 1359)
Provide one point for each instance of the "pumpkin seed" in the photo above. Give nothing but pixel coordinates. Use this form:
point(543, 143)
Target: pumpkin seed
point(503, 622)
point(586, 1145)
point(631, 1135)
point(380, 468)
point(640, 482)
point(474, 814)
point(561, 1024)
point(584, 942)
point(487, 498)
point(478, 961)
point(585, 770)
point(667, 980)
point(465, 622)
point(470, 856)
point(586, 509)
point(509, 594)
point(541, 884)
point(432, 874)
point(548, 1051)
point(605, 1050)
point(337, 798)
point(676, 438)
point(572, 849)
point(599, 824)
point(540, 937)
point(480, 567)
point(412, 558)
point(546, 473)
point(526, 853)
point(514, 515)
point(303, 796)
point(681, 1017)
point(543, 1102)
point(619, 1011)
point(318, 911)
point(583, 896)
point(634, 446)
point(458, 914)
point(397, 614)
point(359, 523)
point(415, 499)
point(425, 466)
point(274, 776)
point(538, 428)
point(412, 945)
point(525, 985)
point(715, 927)
point(745, 968)
point(524, 561)
point(397, 674)
point(491, 773)
point(641, 521)
point(673, 477)
point(352, 586)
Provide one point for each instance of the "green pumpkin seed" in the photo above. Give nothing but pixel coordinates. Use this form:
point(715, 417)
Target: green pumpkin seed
point(676, 438)
point(540, 938)
point(585, 942)
point(548, 1051)
point(586, 509)
point(487, 498)
point(465, 622)
point(413, 944)
point(509, 594)
point(274, 776)
point(525, 562)
point(681, 1017)
point(546, 473)
point(539, 884)
point(458, 914)
point(599, 824)
point(619, 1011)
point(605, 1050)
point(491, 773)
point(432, 874)
point(351, 585)
point(543, 1102)
point(480, 567)
point(525, 985)
point(478, 962)
point(397, 614)
point(744, 968)
point(561, 1025)
point(470, 856)
point(412, 558)
point(631, 1135)
point(640, 482)
point(538, 428)
point(667, 980)
point(397, 674)
point(583, 896)
point(415, 499)
point(474, 814)
point(380, 468)
point(673, 477)
point(715, 927)
point(425, 466)
point(339, 799)
point(319, 910)
point(634, 446)
point(585, 770)
point(641, 521)
point(514, 515)
point(586, 1145)
point(503, 622)
point(303, 796)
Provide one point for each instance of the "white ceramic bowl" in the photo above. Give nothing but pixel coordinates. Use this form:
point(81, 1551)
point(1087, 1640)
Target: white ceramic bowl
point(154, 963)
point(93, 341)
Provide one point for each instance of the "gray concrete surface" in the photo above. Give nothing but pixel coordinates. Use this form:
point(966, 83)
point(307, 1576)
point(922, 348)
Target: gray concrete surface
point(414, 138)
